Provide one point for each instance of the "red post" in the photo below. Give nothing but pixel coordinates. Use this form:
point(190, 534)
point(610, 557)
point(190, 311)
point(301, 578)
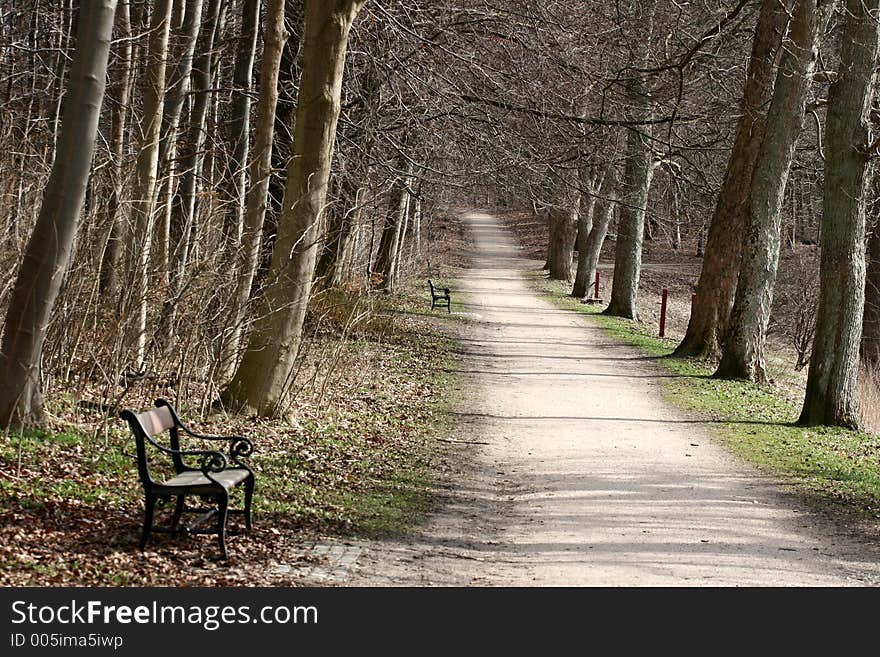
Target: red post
point(693, 301)
point(596, 286)
point(663, 311)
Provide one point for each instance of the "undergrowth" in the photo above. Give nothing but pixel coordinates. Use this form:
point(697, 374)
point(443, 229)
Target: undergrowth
point(354, 455)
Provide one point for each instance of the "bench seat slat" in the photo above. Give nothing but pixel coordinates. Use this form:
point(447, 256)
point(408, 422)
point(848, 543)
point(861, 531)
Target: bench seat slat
point(228, 478)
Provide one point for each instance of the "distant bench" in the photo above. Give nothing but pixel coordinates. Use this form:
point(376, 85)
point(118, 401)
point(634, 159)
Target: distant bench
point(440, 298)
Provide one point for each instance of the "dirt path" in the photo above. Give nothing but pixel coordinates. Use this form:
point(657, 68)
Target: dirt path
point(580, 475)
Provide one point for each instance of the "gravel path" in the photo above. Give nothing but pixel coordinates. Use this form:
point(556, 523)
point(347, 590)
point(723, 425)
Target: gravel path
point(577, 473)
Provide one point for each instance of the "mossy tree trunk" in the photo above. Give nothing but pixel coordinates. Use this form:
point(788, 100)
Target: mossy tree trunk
point(743, 352)
point(832, 395)
point(723, 250)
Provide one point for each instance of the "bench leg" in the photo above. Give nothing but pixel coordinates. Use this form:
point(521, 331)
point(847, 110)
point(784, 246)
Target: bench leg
point(149, 506)
point(248, 497)
point(178, 511)
point(222, 512)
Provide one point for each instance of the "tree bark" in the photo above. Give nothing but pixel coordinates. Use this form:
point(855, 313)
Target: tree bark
point(603, 213)
point(743, 352)
point(177, 91)
point(564, 223)
point(240, 121)
point(274, 37)
point(638, 172)
point(723, 249)
point(145, 175)
point(389, 245)
point(263, 376)
point(120, 93)
point(192, 155)
point(832, 381)
point(49, 249)
point(870, 347)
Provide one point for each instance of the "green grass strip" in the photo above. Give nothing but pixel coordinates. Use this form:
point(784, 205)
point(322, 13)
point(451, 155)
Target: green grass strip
point(830, 467)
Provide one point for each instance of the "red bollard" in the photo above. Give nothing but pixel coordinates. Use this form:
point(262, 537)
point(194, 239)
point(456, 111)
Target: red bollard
point(596, 286)
point(663, 311)
point(693, 301)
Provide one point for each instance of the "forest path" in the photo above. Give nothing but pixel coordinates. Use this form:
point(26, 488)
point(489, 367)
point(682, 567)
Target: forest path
point(579, 474)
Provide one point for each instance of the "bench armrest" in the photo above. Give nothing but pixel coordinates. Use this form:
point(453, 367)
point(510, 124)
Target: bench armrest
point(239, 446)
point(210, 461)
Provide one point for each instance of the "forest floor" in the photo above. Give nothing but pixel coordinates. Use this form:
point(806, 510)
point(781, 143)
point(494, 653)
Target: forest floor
point(573, 470)
point(354, 455)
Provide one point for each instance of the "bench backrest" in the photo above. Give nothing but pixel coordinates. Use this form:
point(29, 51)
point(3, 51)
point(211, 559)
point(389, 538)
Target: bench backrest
point(145, 426)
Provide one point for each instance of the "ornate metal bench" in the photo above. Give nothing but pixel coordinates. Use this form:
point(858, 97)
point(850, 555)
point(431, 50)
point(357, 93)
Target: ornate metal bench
point(440, 298)
point(211, 480)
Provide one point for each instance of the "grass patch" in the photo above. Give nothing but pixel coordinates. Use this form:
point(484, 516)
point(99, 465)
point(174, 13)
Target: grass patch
point(828, 466)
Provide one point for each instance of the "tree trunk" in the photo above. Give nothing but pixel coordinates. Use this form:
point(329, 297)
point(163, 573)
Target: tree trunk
point(338, 231)
point(387, 251)
point(177, 91)
point(120, 93)
point(192, 155)
point(274, 36)
point(603, 213)
point(870, 347)
point(564, 222)
point(49, 249)
point(263, 376)
point(240, 121)
point(145, 175)
point(638, 173)
point(743, 353)
point(723, 249)
point(584, 228)
point(389, 246)
point(832, 382)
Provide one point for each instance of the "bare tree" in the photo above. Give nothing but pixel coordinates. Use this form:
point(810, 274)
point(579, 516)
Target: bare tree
point(140, 244)
point(743, 354)
point(262, 377)
point(48, 252)
point(831, 396)
point(723, 250)
point(274, 38)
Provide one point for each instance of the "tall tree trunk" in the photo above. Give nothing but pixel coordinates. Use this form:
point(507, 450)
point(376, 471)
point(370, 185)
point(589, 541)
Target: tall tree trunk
point(389, 246)
point(274, 37)
point(338, 231)
point(49, 249)
point(120, 93)
point(743, 352)
point(723, 250)
point(386, 252)
point(192, 156)
point(263, 376)
point(584, 227)
point(564, 222)
point(832, 382)
point(240, 121)
point(601, 211)
point(177, 91)
point(145, 174)
point(870, 348)
point(348, 248)
point(638, 172)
